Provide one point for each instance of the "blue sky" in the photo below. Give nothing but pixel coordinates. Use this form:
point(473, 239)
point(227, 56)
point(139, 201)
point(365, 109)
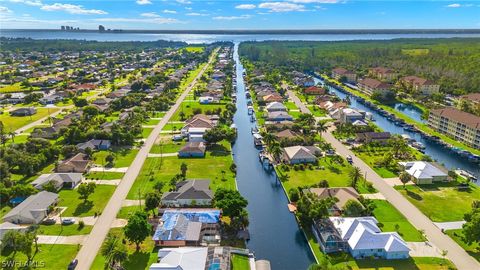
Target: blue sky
point(228, 14)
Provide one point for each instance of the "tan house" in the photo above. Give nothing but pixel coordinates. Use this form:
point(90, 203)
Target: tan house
point(461, 126)
point(338, 73)
point(421, 85)
point(384, 74)
point(76, 164)
point(342, 194)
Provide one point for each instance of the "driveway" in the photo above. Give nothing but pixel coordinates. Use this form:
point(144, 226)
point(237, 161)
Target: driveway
point(453, 225)
point(62, 240)
point(163, 155)
point(104, 169)
point(455, 253)
point(423, 249)
point(91, 247)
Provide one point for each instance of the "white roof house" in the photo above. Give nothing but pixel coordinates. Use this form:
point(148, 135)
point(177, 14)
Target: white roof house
point(32, 210)
point(424, 172)
point(275, 107)
point(300, 154)
point(365, 239)
point(182, 258)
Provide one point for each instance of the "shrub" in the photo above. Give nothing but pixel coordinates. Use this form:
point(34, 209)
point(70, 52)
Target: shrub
point(81, 225)
point(293, 194)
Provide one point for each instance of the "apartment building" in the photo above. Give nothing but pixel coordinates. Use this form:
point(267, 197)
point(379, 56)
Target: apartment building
point(421, 85)
point(338, 73)
point(461, 126)
point(384, 74)
point(369, 86)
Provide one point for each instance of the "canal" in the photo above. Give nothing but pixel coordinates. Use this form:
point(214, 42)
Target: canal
point(443, 155)
point(274, 232)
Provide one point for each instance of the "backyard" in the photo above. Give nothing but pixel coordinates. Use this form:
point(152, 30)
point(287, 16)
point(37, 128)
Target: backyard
point(473, 249)
point(48, 256)
point(123, 156)
point(76, 207)
point(240, 262)
point(12, 123)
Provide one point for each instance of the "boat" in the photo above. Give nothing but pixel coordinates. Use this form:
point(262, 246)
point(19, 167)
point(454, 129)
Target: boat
point(257, 139)
point(252, 118)
point(247, 95)
point(418, 145)
point(250, 110)
point(464, 173)
point(254, 130)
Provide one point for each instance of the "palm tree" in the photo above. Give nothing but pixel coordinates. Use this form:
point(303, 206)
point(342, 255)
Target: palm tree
point(404, 178)
point(276, 151)
point(322, 127)
point(269, 138)
point(355, 175)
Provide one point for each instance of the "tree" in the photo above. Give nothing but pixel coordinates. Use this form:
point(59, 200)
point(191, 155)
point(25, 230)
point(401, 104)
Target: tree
point(110, 158)
point(322, 126)
point(230, 201)
point(294, 194)
point(159, 186)
point(50, 187)
point(183, 169)
point(85, 190)
point(114, 251)
point(213, 135)
point(353, 208)
point(355, 175)
point(471, 229)
point(152, 200)
point(404, 178)
point(137, 228)
point(80, 102)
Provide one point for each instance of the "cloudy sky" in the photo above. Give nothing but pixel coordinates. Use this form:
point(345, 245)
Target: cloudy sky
point(228, 14)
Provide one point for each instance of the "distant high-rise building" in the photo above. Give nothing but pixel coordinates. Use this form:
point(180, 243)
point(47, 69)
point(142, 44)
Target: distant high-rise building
point(101, 28)
point(62, 27)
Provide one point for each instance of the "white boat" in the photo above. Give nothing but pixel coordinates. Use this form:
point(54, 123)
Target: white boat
point(250, 110)
point(463, 173)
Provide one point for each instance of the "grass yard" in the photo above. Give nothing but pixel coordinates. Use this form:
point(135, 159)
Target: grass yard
point(66, 230)
point(194, 49)
point(76, 207)
point(4, 209)
point(13, 123)
point(210, 167)
point(173, 126)
point(123, 156)
point(168, 146)
point(11, 88)
point(48, 256)
point(335, 174)
point(140, 260)
point(126, 211)
point(152, 122)
point(240, 262)
point(433, 200)
point(473, 249)
point(387, 215)
point(187, 108)
point(104, 175)
point(146, 132)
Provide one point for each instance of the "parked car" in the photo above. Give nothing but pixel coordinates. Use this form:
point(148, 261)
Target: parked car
point(68, 221)
point(349, 159)
point(72, 264)
point(177, 138)
point(49, 221)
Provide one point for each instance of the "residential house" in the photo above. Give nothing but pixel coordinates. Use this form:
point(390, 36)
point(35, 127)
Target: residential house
point(196, 134)
point(300, 154)
point(32, 210)
point(8, 226)
point(286, 134)
point(192, 149)
point(94, 144)
point(24, 111)
point(339, 73)
point(361, 237)
point(274, 97)
point(421, 85)
point(182, 258)
point(52, 99)
point(349, 115)
point(461, 126)
point(76, 164)
point(370, 86)
point(384, 74)
point(279, 116)
point(45, 132)
point(190, 192)
point(424, 172)
point(342, 194)
point(373, 137)
point(188, 227)
point(60, 180)
point(275, 107)
point(314, 90)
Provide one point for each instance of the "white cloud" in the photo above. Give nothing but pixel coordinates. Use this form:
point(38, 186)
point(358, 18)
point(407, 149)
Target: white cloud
point(186, 2)
point(36, 3)
point(231, 18)
point(157, 20)
point(169, 11)
point(245, 6)
point(196, 14)
point(316, 1)
point(282, 6)
point(150, 15)
point(72, 9)
point(143, 2)
point(454, 5)
point(4, 11)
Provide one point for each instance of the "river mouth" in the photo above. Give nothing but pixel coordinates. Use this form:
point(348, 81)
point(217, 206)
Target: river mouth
point(274, 232)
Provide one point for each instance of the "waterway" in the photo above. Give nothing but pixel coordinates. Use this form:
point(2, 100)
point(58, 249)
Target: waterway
point(274, 232)
point(450, 159)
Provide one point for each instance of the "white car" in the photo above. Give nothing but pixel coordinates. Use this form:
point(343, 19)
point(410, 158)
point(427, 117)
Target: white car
point(68, 221)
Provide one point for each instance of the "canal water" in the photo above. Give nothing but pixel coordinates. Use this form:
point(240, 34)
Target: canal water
point(443, 155)
point(274, 232)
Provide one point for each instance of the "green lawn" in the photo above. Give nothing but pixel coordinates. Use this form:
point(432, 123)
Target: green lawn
point(66, 230)
point(104, 175)
point(4, 209)
point(194, 49)
point(290, 105)
point(140, 260)
point(335, 174)
point(389, 217)
point(48, 256)
point(13, 123)
point(76, 207)
point(173, 126)
point(11, 88)
point(167, 147)
point(473, 249)
point(188, 106)
point(126, 211)
point(210, 167)
point(240, 262)
point(152, 122)
point(434, 200)
point(123, 156)
point(146, 132)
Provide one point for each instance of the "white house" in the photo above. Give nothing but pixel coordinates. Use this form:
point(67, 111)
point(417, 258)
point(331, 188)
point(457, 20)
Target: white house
point(33, 210)
point(424, 172)
point(300, 154)
point(365, 239)
point(275, 107)
point(185, 258)
point(196, 134)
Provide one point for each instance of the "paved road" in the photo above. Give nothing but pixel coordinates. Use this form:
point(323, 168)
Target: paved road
point(92, 245)
point(455, 253)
